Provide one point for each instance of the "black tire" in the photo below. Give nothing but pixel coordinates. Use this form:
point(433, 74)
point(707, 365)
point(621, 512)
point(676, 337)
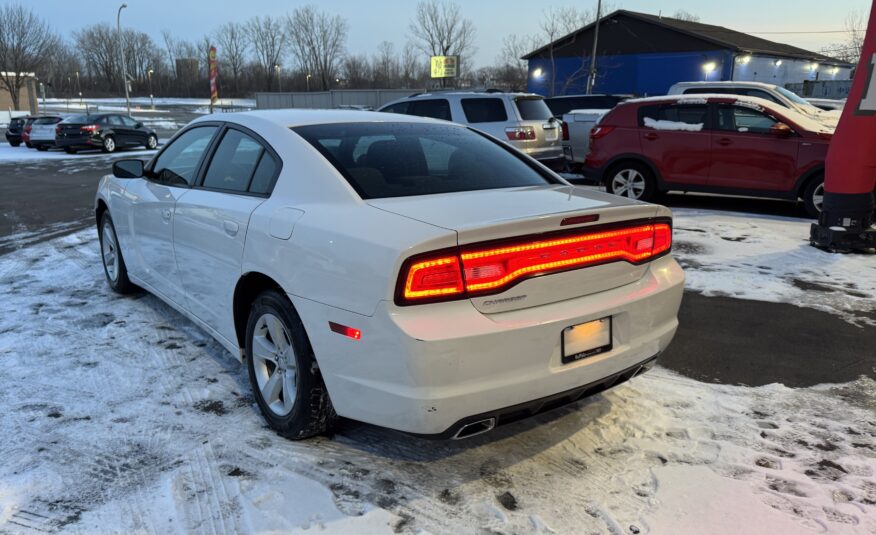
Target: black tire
point(15, 143)
point(28, 145)
point(312, 412)
point(109, 144)
point(647, 193)
point(814, 187)
point(122, 284)
point(151, 142)
point(42, 148)
point(70, 150)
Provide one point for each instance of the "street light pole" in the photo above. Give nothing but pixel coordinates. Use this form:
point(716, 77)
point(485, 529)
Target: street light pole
point(591, 78)
point(122, 53)
point(79, 87)
point(277, 73)
point(308, 82)
point(151, 99)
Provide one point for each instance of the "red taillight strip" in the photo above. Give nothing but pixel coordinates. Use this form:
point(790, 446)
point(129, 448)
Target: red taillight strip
point(455, 273)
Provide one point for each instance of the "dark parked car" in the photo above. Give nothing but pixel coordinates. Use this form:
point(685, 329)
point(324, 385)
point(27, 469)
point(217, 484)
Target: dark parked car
point(105, 131)
point(15, 130)
point(731, 144)
point(562, 105)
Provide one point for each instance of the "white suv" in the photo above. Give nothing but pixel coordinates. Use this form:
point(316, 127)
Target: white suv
point(522, 120)
point(771, 92)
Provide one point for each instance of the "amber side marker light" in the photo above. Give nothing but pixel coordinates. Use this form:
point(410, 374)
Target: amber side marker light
point(476, 270)
point(350, 332)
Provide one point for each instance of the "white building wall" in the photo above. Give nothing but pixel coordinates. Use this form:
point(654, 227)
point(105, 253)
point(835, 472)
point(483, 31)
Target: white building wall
point(789, 71)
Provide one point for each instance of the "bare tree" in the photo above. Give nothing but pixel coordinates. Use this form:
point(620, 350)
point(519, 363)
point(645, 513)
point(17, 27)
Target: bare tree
point(412, 68)
point(439, 29)
point(356, 71)
point(317, 40)
point(233, 50)
point(385, 65)
point(25, 44)
point(850, 49)
point(513, 68)
point(269, 44)
point(98, 45)
point(681, 14)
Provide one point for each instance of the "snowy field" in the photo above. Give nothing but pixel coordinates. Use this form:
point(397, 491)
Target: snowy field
point(8, 153)
point(122, 416)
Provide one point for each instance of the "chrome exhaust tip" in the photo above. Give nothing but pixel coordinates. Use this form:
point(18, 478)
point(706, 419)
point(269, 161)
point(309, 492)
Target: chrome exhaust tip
point(474, 428)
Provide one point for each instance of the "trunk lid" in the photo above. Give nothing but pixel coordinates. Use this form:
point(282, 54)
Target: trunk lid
point(479, 216)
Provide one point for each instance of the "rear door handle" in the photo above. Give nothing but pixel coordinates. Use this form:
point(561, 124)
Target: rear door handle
point(724, 141)
point(231, 227)
point(651, 136)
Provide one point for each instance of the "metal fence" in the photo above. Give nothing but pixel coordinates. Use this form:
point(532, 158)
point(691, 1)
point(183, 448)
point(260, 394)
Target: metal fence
point(371, 98)
point(837, 89)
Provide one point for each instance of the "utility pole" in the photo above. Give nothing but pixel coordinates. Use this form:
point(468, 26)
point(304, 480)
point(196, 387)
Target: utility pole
point(122, 53)
point(151, 99)
point(591, 78)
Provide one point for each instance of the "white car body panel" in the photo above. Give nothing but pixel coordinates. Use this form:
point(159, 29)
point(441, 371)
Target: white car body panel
point(416, 368)
point(42, 132)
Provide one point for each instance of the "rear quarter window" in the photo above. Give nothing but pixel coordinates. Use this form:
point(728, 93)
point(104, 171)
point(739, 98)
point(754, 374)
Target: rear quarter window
point(533, 109)
point(438, 108)
point(694, 115)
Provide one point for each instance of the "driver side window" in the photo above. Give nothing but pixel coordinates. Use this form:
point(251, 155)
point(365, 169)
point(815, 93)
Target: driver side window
point(176, 166)
point(741, 119)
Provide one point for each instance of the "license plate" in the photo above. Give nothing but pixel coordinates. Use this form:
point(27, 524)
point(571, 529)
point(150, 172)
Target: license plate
point(586, 339)
point(551, 134)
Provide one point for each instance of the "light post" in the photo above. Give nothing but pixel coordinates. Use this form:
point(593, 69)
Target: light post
point(69, 91)
point(122, 53)
point(591, 79)
point(277, 74)
point(151, 98)
point(79, 87)
point(308, 82)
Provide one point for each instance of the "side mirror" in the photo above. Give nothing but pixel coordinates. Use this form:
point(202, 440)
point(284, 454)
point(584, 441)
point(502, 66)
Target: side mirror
point(138, 125)
point(781, 130)
point(128, 169)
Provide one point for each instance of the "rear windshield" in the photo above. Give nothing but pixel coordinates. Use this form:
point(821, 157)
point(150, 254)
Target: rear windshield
point(533, 109)
point(383, 160)
point(47, 120)
point(77, 119)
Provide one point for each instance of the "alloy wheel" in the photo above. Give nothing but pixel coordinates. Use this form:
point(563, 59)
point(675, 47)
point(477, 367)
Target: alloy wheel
point(109, 250)
point(818, 197)
point(628, 183)
point(109, 144)
point(274, 364)
point(151, 142)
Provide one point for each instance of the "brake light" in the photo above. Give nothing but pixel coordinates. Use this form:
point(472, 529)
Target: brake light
point(28, 128)
point(92, 128)
point(520, 133)
point(488, 270)
point(565, 131)
point(599, 132)
point(57, 130)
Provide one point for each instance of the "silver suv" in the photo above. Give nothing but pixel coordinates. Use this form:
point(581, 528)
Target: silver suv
point(522, 120)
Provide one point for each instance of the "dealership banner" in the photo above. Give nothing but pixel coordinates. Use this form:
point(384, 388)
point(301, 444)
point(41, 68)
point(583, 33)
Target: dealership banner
point(214, 74)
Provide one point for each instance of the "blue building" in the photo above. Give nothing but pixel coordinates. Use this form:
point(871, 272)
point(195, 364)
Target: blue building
point(645, 54)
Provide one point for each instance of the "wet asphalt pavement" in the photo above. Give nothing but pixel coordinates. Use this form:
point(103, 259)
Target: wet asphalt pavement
point(720, 339)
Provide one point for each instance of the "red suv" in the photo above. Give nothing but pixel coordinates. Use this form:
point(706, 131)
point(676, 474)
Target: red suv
point(711, 143)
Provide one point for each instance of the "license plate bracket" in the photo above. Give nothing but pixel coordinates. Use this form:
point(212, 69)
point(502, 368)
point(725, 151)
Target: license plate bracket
point(586, 339)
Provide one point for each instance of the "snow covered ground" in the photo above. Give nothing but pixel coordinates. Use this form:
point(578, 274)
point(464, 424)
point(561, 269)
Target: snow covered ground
point(121, 416)
point(21, 153)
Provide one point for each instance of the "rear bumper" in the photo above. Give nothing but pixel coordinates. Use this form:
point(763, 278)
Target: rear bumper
point(13, 138)
point(78, 142)
point(431, 369)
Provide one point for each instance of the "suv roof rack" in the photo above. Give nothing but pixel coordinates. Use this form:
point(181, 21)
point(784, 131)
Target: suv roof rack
point(493, 90)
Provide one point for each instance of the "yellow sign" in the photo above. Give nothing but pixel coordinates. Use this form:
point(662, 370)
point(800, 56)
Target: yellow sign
point(445, 66)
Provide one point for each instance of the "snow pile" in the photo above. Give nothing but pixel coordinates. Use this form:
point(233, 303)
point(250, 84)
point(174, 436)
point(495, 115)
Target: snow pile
point(122, 416)
point(768, 258)
point(672, 125)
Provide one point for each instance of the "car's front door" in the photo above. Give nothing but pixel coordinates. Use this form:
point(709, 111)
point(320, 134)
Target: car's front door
point(748, 155)
point(211, 222)
point(134, 131)
point(153, 201)
point(675, 139)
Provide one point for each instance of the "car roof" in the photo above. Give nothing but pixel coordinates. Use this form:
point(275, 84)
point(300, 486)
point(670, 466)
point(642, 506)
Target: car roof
point(595, 95)
point(469, 94)
point(762, 85)
point(288, 118)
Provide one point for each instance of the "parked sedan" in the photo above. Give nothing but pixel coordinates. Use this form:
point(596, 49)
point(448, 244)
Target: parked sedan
point(105, 131)
point(406, 272)
point(41, 133)
point(710, 143)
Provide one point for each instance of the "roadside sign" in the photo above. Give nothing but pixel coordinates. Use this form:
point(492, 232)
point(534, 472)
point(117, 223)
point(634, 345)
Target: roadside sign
point(445, 66)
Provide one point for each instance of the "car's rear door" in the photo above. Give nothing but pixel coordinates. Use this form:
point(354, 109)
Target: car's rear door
point(211, 221)
point(675, 138)
point(745, 155)
point(152, 203)
point(134, 131)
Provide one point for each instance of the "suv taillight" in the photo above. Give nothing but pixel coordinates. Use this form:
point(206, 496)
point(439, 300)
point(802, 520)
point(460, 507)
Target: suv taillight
point(28, 128)
point(565, 131)
point(520, 133)
point(57, 130)
point(599, 132)
point(476, 270)
point(92, 128)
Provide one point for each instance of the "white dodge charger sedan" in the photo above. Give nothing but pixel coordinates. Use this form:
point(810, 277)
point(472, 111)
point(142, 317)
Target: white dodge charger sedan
point(406, 272)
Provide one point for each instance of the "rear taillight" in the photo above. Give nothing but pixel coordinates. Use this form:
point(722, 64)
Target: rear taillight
point(565, 131)
point(91, 128)
point(57, 130)
point(599, 132)
point(476, 270)
point(28, 128)
point(520, 133)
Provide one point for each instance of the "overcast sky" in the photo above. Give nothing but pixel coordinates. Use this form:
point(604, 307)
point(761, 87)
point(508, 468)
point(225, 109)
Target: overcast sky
point(374, 21)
